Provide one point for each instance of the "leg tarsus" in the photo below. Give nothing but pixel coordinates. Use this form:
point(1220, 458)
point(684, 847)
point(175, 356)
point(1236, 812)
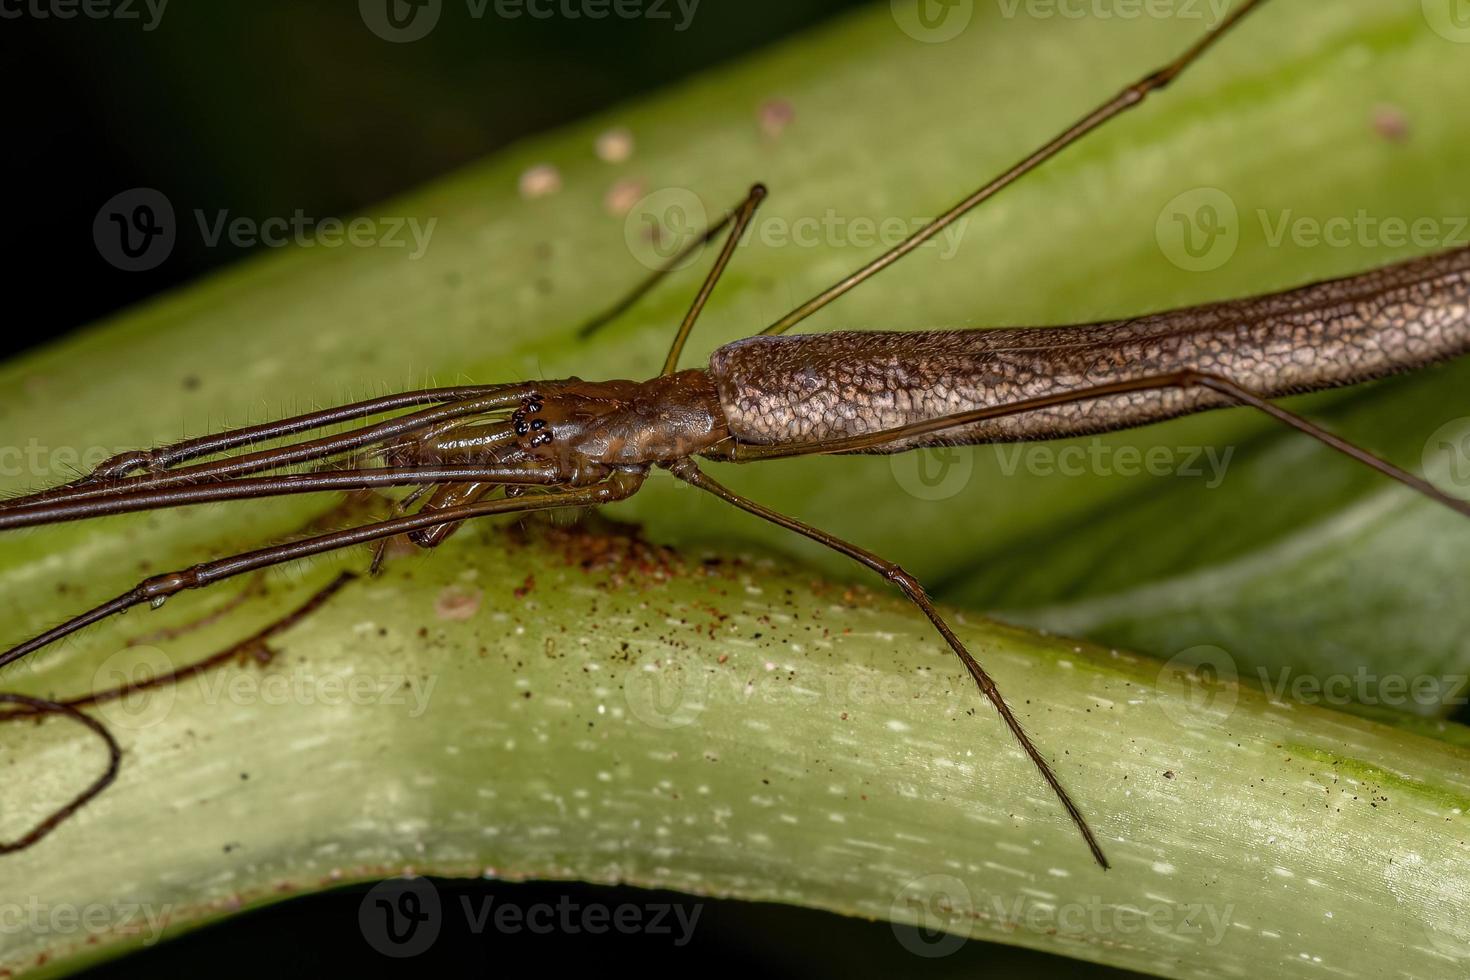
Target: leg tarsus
point(253, 645)
point(688, 471)
point(622, 484)
point(39, 706)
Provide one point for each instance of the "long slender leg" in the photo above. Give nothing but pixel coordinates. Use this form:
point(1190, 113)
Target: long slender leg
point(156, 589)
point(743, 214)
point(301, 452)
point(39, 706)
point(1127, 99)
point(252, 589)
point(1178, 379)
point(687, 471)
point(254, 488)
point(252, 642)
point(36, 707)
point(179, 452)
point(658, 275)
point(152, 460)
point(380, 549)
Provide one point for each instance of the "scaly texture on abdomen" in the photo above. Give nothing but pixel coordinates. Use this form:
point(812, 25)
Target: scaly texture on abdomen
point(821, 386)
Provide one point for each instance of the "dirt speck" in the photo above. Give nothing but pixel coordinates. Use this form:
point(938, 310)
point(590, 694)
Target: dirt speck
point(542, 180)
point(775, 115)
point(614, 145)
point(1390, 123)
point(623, 196)
point(457, 604)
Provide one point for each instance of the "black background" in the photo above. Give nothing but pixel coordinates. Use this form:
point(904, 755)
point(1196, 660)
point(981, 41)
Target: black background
point(264, 107)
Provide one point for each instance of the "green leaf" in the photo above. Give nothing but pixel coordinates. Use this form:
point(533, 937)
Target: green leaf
point(701, 716)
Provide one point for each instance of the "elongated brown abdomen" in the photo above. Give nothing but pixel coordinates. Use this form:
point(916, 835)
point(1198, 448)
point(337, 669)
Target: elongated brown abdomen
point(777, 390)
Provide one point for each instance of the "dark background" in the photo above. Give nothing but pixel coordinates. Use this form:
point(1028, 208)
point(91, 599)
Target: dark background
point(269, 106)
point(264, 107)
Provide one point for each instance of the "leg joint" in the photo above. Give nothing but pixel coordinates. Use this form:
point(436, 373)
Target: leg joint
point(163, 586)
